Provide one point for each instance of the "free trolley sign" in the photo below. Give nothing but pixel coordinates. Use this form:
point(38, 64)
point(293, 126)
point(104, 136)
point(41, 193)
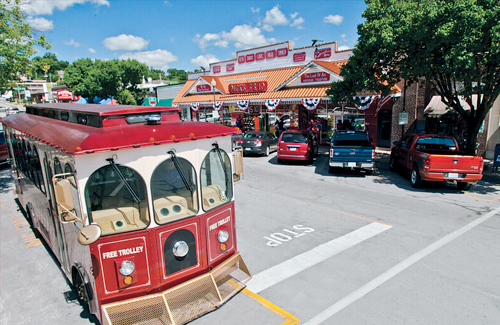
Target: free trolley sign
point(249, 87)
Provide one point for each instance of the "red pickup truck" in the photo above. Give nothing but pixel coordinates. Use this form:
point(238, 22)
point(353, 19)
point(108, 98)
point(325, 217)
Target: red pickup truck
point(435, 158)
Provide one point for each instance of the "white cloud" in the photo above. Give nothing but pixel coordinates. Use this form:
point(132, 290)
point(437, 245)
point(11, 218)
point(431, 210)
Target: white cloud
point(208, 39)
point(72, 43)
point(344, 47)
point(298, 22)
point(255, 10)
point(158, 59)
point(274, 17)
point(125, 43)
point(46, 7)
point(91, 50)
point(334, 19)
point(241, 36)
point(245, 36)
point(204, 60)
point(40, 24)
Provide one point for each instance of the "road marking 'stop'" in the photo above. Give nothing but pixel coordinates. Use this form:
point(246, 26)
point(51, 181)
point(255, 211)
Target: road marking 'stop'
point(299, 263)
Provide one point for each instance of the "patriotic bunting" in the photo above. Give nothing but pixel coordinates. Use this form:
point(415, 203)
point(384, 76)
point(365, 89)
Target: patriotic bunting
point(381, 102)
point(365, 102)
point(195, 106)
point(217, 105)
point(243, 104)
point(271, 104)
point(311, 103)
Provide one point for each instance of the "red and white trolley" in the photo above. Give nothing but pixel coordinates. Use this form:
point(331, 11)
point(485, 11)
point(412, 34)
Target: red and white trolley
point(136, 204)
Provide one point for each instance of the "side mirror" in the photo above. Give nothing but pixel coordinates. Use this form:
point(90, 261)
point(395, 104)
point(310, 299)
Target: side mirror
point(89, 234)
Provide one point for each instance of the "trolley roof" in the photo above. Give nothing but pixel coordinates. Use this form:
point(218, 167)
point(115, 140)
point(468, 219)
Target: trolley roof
point(114, 133)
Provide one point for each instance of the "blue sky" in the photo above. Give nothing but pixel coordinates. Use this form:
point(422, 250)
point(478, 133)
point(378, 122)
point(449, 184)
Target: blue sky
point(187, 34)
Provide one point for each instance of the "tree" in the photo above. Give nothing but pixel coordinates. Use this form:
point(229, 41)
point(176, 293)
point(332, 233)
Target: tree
point(131, 72)
point(17, 42)
point(455, 45)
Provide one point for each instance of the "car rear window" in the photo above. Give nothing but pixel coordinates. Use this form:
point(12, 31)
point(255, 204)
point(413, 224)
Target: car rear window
point(350, 139)
point(294, 138)
point(253, 136)
point(436, 143)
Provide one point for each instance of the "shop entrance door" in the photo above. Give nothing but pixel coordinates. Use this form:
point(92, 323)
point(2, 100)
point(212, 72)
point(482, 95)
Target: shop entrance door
point(384, 128)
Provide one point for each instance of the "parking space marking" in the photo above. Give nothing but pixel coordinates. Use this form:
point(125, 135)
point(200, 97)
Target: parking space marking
point(289, 318)
point(299, 263)
point(400, 267)
point(317, 206)
point(480, 198)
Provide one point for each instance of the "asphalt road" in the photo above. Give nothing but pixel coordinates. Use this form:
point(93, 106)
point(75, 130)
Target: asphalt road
point(345, 248)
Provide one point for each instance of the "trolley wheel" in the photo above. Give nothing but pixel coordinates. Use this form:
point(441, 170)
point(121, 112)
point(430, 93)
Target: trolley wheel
point(81, 289)
point(415, 179)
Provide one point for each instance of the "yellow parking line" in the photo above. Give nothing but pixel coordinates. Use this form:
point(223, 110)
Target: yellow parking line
point(479, 198)
point(318, 206)
point(290, 319)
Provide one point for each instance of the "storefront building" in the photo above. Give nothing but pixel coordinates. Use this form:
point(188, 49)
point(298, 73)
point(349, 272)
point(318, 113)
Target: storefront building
point(271, 83)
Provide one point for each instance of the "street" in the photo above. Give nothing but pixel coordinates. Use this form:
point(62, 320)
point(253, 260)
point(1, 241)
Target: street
point(343, 248)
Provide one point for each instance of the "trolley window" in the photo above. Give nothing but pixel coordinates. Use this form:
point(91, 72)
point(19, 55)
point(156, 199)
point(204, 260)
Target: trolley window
point(215, 179)
point(173, 187)
point(116, 199)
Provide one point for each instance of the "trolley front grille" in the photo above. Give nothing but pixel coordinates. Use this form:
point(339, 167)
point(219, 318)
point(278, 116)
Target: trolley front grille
point(183, 302)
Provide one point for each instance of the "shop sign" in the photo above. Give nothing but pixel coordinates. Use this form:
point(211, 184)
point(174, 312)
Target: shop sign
point(241, 59)
point(203, 88)
point(216, 69)
point(270, 54)
point(260, 56)
point(64, 94)
point(403, 118)
point(249, 58)
point(299, 57)
point(282, 52)
point(230, 67)
point(323, 53)
point(254, 110)
point(315, 77)
point(249, 87)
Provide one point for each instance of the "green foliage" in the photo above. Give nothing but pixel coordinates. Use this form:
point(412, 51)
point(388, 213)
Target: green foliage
point(453, 44)
point(125, 97)
point(48, 65)
point(179, 75)
point(17, 42)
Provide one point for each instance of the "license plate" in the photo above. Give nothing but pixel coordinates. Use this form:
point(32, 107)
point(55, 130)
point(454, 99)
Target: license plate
point(351, 164)
point(248, 149)
point(293, 149)
point(452, 175)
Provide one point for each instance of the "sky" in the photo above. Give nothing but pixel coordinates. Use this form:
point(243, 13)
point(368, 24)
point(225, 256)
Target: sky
point(184, 34)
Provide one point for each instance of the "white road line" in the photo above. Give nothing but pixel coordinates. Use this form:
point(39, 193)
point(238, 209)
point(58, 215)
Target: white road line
point(299, 263)
point(384, 277)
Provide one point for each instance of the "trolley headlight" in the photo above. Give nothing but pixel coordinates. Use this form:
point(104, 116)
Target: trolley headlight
point(127, 268)
point(223, 236)
point(180, 249)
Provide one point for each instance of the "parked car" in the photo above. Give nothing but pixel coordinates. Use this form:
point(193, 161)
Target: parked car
point(297, 145)
point(259, 142)
point(4, 154)
point(351, 150)
point(435, 158)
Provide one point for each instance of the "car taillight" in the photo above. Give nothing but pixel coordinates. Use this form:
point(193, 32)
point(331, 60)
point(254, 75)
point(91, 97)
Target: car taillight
point(331, 153)
point(258, 142)
point(373, 154)
point(427, 162)
point(240, 141)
